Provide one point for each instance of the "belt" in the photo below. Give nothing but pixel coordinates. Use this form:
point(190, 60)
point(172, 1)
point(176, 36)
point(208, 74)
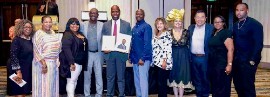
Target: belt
point(199, 55)
point(93, 51)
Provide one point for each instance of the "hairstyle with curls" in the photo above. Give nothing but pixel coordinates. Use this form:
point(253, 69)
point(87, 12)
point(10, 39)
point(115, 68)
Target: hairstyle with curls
point(163, 21)
point(71, 21)
point(19, 29)
point(175, 14)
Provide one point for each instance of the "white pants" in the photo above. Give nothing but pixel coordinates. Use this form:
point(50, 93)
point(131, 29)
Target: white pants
point(72, 81)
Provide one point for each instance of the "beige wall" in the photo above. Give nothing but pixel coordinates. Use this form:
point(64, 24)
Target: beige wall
point(259, 9)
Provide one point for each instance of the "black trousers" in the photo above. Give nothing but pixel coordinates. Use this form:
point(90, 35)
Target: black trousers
point(244, 78)
point(220, 82)
point(162, 82)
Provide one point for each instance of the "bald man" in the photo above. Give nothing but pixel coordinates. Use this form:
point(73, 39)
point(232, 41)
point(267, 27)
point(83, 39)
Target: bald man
point(92, 31)
point(141, 53)
point(115, 61)
point(248, 44)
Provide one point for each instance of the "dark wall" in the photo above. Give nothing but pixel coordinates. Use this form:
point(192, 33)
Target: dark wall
point(9, 11)
point(214, 8)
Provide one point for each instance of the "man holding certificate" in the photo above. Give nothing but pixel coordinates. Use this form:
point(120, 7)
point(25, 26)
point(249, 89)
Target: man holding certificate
point(115, 61)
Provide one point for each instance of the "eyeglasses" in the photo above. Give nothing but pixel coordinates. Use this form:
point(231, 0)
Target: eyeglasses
point(218, 22)
point(28, 27)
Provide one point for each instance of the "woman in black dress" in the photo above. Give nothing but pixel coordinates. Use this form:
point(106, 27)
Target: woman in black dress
point(220, 59)
point(74, 55)
point(180, 75)
point(21, 56)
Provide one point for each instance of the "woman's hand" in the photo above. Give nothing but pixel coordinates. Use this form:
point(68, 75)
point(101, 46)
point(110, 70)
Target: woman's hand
point(18, 78)
point(43, 67)
point(228, 69)
point(72, 67)
point(164, 64)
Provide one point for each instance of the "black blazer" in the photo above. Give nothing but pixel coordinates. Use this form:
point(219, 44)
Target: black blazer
point(69, 51)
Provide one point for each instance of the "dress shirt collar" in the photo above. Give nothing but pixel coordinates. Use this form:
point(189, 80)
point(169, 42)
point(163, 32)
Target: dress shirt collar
point(197, 27)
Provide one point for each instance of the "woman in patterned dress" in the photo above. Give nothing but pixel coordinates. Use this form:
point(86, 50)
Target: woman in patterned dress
point(162, 54)
point(46, 46)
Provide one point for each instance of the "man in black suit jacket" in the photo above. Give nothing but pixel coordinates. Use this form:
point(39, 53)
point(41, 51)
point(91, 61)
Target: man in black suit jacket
point(115, 61)
point(248, 41)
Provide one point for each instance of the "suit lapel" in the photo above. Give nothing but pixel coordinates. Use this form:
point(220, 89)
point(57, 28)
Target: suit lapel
point(110, 28)
point(121, 26)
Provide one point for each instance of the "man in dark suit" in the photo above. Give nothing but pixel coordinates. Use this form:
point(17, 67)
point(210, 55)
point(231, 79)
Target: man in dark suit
point(248, 41)
point(116, 61)
point(199, 36)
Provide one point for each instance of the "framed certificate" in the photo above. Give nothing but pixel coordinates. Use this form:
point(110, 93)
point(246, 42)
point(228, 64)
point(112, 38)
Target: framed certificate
point(108, 43)
point(123, 43)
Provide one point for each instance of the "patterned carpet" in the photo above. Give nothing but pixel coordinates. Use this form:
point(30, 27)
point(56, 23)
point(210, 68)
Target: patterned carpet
point(262, 84)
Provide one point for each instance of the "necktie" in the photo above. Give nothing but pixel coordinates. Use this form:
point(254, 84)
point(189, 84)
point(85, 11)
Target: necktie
point(115, 29)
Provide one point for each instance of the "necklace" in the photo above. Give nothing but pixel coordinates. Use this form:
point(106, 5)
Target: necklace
point(242, 24)
point(83, 44)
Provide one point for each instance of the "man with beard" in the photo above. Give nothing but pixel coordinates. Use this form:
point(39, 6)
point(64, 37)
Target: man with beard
point(92, 31)
point(248, 41)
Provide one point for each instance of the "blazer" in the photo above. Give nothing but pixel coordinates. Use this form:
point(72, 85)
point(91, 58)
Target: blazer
point(208, 32)
point(124, 29)
point(84, 30)
point(69, 51)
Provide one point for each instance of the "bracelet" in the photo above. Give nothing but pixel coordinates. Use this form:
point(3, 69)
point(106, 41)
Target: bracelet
point(230, 64)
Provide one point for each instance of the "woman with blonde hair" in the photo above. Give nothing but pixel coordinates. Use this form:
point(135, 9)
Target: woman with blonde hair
point(180, 75)
point(162, 54)
point(21, 56)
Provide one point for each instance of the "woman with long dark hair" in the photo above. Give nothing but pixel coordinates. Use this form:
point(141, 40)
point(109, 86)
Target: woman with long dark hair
point(74, 55)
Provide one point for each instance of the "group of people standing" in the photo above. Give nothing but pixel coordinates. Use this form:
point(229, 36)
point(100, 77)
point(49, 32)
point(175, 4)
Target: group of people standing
point(203, 57)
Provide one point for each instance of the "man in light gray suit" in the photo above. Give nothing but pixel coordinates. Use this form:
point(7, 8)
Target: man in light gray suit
point(92, 31)
point(115, 61)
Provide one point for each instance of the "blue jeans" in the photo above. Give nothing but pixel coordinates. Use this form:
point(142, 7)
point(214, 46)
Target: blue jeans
point(141, 78)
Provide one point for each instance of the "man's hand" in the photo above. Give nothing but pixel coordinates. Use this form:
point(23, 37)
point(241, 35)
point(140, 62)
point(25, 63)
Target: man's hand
point(107, 51)
point(141, 62)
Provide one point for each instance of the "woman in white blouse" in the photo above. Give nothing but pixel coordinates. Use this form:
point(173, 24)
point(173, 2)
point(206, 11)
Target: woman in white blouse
point(162, 54)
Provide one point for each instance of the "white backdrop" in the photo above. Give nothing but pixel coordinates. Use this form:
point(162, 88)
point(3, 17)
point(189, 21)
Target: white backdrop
point(259, 9)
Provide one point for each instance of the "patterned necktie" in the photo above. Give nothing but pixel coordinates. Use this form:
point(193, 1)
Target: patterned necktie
point(115, 29)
